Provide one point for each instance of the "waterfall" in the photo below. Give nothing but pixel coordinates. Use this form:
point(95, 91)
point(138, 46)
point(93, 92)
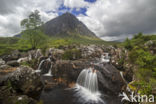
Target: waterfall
point(49, 72)
point(105, 58)
point(87, 86)
point(39, 67)
point(88, 79)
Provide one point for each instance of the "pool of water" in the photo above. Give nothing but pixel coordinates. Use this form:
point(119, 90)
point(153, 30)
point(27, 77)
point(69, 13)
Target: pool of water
point(67, 96)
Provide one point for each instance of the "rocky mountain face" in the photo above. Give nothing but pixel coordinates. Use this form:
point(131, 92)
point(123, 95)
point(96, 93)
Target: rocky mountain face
point(66, 25)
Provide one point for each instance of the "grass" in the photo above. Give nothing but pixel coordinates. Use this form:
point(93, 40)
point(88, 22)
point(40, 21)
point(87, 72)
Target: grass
point(140, 55)
point(8, 44)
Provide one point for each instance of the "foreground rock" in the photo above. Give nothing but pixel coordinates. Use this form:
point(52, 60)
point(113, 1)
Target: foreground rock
point(13, 63)
point(110, 80)
point(21, 82)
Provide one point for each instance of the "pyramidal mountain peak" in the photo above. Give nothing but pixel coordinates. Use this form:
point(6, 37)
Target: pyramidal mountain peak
point(66, 24)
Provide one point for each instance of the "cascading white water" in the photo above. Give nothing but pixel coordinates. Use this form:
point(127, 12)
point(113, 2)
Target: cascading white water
point(39, 67)
point(49, 72)
point(88, 79)
point(105, 58)
point(87, 86)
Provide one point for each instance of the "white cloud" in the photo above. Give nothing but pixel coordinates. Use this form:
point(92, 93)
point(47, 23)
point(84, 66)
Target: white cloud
point(75, 3)
point(117, 17)
point(13, 11)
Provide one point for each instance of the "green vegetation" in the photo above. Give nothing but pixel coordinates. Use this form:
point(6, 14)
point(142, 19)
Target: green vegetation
point(32, 37)
point(140, 54)
point(32, 33)
point(31, 63)
point(72, 54)
point(14, 43)
point(8, 44)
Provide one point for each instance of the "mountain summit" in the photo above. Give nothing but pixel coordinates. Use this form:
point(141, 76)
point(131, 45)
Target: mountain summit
point(66, 25)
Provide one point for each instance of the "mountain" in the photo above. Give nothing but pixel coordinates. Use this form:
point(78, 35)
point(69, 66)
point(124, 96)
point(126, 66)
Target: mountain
point(66, 25)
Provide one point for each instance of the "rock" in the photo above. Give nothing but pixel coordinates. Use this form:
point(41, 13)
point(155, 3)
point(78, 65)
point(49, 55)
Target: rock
point(65, 71)
point(20, 86)
point(46, 65)
point(22, 99)
point(110, 80)
point(13, 63)
point(2, 62)
point(151, 44)
point(91, 51)
point(25, 59)
point(32, 54)
point(25, 80)
point(56, 54)
point(38, 54)
point(2, 67)
point(35, 54)
point(13, 56)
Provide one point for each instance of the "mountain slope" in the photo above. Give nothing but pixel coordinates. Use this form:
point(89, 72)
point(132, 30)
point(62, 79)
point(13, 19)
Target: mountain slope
point(66, 25)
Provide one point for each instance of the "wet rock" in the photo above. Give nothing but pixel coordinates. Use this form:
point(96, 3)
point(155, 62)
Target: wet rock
point(68, 71)
point(45, 65)
point(13, 63)
point(110, 80)
point(2, 62)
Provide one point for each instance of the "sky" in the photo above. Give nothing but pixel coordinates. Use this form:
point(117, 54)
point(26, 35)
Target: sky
point(111, 20)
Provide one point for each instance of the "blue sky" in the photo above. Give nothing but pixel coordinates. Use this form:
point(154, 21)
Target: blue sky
point(75, 11)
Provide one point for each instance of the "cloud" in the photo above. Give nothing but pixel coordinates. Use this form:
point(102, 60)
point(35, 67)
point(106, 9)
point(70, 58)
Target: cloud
point(13, 11)
point(75, 3)
point(109, 19)
point(117, 18)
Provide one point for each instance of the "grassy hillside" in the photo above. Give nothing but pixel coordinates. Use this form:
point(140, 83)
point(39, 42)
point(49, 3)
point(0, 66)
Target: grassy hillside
point(7, 44)
point(141, 50)
point(12, 43)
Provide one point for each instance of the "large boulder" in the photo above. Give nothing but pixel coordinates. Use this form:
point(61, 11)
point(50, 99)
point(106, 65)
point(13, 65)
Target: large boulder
point(20, 85)
point(13, 56)
point(69, 70)
point(91, 51)
point(109, 78)
point(13, 63)
point(25, 80)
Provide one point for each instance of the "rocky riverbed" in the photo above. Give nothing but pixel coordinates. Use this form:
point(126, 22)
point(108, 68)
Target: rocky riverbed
point(35, 77)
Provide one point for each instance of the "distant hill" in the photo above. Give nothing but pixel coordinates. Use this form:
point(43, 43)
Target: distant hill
point(66, 25)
